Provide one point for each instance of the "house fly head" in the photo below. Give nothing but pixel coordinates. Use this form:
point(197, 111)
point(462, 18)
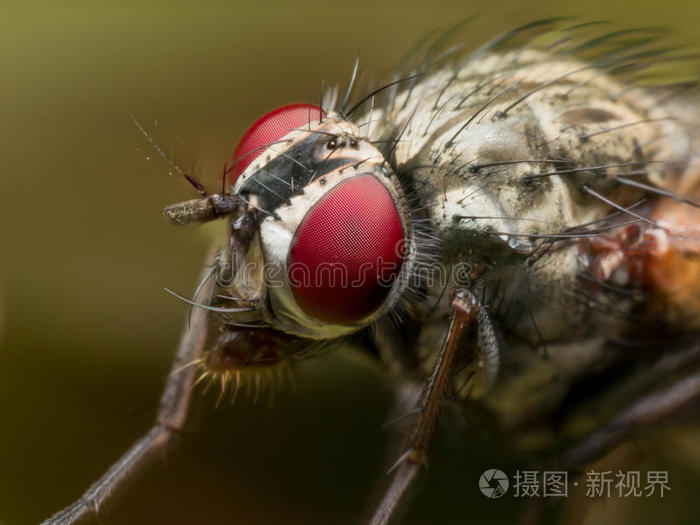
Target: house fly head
point(330, 248)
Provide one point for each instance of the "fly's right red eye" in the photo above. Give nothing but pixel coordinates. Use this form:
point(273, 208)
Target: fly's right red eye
point(347, 252)
point(267, 130)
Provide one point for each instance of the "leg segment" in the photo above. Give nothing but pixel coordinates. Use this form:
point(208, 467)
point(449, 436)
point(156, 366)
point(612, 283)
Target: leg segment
point(464, 315)
point(651, 408)
point(172, 412)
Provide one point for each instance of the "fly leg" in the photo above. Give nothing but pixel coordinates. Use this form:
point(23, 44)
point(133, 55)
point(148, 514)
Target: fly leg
point(464, 315)
point(172, 411)
point(651, 408)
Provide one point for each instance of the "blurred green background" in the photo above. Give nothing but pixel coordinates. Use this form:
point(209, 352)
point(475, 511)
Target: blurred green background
point(87, 330)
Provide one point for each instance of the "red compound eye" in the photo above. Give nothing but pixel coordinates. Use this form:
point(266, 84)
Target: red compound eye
point(270, 128)
point(347, 252)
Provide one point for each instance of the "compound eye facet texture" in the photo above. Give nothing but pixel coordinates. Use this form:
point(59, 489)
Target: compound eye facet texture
point(347, 252)
point(268, 129)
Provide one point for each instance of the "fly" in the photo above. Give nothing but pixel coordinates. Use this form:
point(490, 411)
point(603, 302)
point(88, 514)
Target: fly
point(507, 226)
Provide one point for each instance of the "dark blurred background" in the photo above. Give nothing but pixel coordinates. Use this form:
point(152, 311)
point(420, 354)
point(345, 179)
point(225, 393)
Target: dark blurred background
point(87, 332)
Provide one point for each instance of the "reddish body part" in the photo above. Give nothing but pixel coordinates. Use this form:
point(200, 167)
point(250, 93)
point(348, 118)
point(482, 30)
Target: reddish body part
point(347, 252)
point(267, 130)
point(660, 259)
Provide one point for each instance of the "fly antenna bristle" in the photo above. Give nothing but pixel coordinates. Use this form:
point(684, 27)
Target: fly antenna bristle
point(156, 146)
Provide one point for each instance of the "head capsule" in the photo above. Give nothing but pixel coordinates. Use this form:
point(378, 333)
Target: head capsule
point(321, 242)
point(333, 235)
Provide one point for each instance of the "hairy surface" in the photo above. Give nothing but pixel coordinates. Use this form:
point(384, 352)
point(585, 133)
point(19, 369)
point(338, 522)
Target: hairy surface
point(562, 167)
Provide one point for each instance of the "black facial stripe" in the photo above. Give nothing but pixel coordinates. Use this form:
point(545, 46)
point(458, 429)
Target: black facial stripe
point(286, 174)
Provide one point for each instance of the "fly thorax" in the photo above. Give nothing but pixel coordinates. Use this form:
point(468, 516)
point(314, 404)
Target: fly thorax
point(508, 153)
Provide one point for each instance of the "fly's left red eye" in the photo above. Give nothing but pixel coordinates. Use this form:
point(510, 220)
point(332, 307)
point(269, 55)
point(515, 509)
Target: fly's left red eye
point(269, 129)
point(347, 252)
